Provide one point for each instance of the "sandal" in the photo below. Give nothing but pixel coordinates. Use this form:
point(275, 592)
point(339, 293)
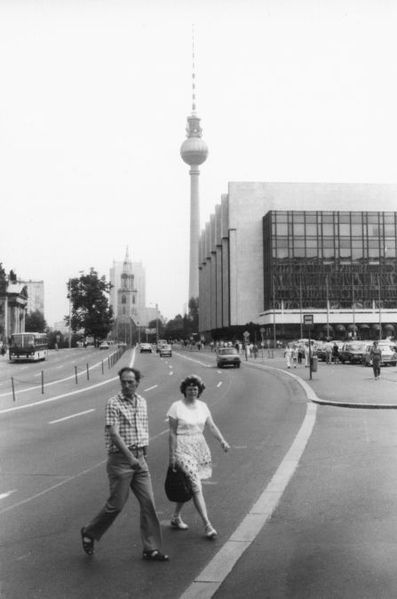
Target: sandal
point(87, 542)
point(210, 532)
point(155, 556)
point(178, 523)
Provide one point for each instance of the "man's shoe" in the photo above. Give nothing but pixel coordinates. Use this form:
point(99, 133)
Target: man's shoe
point(178, 523)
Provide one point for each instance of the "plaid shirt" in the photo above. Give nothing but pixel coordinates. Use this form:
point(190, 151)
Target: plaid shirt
point(130, 415)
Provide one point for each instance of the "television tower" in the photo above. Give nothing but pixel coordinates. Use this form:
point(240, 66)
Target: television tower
point(194, 151)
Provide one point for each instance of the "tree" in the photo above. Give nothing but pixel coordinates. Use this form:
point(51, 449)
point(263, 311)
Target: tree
point(35, 322)
point(90, 307)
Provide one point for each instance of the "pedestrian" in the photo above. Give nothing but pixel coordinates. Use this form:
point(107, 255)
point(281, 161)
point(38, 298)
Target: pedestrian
point(328, 353)
point(294, 355)
point(188, 448)
point(127, 439)
point(376, 357)
point(335, 353)
point(287, 356)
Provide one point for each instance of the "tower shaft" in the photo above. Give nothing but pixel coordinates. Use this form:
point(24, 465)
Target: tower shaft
point(194, 232)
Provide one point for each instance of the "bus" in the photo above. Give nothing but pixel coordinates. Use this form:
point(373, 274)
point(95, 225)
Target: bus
point(28, 346)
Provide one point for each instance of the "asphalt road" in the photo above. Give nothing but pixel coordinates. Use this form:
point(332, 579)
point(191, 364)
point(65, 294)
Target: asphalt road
point(53, 474)
point(316, 524)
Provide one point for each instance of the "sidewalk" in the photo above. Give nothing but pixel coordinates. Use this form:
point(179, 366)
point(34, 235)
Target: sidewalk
point(344, 385)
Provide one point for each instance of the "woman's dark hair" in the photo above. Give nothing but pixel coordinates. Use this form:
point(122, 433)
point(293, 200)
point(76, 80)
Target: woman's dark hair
point(137, 373)
point(192, 379)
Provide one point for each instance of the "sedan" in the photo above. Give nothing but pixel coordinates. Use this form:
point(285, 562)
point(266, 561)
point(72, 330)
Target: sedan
point(104, 345)
point(353, 352)
point(228, 356)
point(165, 350)
point(389, 355)
point(146, 348)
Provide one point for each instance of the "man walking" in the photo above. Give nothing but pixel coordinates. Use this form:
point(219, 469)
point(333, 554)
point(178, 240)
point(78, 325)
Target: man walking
point(127, 439)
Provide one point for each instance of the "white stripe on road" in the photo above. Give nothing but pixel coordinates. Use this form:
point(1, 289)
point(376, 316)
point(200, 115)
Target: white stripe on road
point(71, 416)
point(150, 388)
point(219, 384)
point(67, 480)
point(210, 579)
point(50, 399)
point(7, 493)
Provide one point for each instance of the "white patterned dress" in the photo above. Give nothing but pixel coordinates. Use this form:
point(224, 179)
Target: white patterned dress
point(192, 453)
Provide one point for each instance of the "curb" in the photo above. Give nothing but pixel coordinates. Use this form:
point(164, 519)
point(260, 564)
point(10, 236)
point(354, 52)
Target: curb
point(312, 396)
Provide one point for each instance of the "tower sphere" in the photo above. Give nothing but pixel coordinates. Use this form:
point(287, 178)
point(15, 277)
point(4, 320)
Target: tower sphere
point(194, 151)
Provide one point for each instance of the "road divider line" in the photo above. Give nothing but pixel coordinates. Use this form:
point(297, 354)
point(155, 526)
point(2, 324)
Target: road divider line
point(150, 388)
point(219, 384)
point(71, 416)
point(67, 480)
point(63, 395)
point(211, 577)
point(7, 493)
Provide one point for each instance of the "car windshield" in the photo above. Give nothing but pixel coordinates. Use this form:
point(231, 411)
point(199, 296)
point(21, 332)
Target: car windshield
point(355, 346)
point(227, 351)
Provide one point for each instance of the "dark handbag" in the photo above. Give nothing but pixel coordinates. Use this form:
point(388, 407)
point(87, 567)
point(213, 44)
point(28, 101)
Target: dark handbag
point(177, 486)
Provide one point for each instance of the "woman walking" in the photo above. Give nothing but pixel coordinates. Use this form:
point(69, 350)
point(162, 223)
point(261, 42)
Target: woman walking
point(188, 448)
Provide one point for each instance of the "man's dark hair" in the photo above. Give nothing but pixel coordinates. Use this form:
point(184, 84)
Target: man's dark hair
point(137, 373)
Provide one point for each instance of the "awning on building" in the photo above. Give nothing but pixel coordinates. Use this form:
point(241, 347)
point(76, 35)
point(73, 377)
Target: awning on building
point(352, 327)
point(340, 327)
point(389, 327)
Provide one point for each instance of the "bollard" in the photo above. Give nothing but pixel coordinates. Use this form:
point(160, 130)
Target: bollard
point(13, 389)
point(88, 373)
point(75, 373)
point(42, 382)
point(102, 368)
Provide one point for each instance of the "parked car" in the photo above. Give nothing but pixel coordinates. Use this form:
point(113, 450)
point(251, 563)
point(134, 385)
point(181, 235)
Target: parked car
point(227, 356)
point(165, 350)
point(353, 352)
point(389, 353)
point(146, 348)
point(104, 345)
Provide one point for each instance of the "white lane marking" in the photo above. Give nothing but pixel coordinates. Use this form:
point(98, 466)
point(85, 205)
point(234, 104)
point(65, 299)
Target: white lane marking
point(7, 493)
point(210, 579)
point(72, 376)
point(171, 373)
point(67, 480)
point(71, 416)
point(150, 388)
point(50, 399)
point(193, 360)
point(219, 384)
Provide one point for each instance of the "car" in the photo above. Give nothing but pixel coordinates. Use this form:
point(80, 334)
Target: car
point(160, 344)
point(104, 345)
point(389, 353)
point(165, 350)
point(353, 352)
point(228, 356)
point(146, 348)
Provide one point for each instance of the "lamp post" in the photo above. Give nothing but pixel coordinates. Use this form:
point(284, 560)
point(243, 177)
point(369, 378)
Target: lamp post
point(70, 313)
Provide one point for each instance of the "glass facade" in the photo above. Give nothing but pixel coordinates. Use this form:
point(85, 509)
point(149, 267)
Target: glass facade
point(347, 259)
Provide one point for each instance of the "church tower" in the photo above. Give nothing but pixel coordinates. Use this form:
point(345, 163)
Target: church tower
point(126, 292)
point(194, 151)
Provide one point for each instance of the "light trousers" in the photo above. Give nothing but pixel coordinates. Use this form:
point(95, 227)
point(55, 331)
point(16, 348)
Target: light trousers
point(122, 478)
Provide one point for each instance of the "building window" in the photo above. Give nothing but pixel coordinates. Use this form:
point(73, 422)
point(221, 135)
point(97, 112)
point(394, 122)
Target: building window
point(123, 299)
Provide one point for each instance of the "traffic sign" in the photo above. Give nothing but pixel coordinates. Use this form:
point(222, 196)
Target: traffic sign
point(308, 318)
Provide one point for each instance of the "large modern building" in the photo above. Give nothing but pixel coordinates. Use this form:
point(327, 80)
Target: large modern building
point(274, 252)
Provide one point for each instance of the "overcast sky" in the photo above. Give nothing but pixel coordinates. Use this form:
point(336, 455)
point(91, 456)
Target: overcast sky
point(93, 105)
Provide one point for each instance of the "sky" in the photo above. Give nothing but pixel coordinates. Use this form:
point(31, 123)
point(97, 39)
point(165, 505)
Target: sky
point(93, 106)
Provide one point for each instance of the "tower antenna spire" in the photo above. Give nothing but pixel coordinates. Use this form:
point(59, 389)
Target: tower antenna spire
point(194, 104)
